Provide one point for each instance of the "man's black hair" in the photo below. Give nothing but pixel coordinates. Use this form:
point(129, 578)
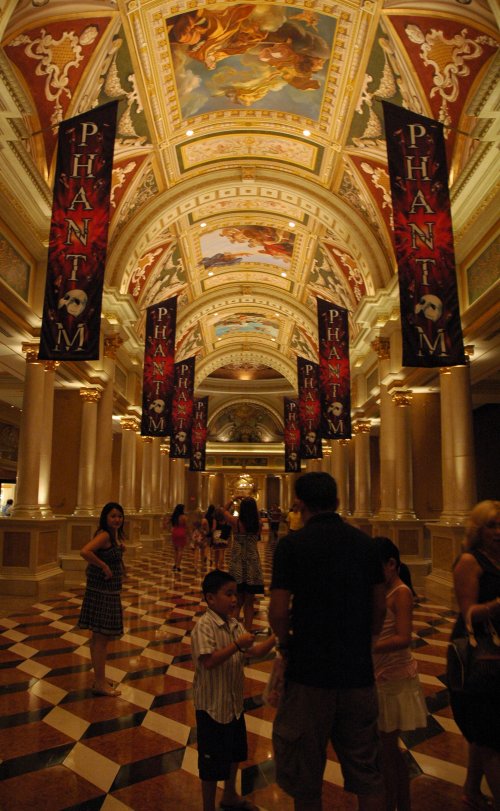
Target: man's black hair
point(214, 580)
point(317, 490)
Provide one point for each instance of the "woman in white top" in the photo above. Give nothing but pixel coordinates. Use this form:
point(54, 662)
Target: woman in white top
point(401, 701)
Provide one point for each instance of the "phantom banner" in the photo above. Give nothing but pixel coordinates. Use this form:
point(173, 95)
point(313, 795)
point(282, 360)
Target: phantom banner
point(309, 409)
point(182, 409)
point(292, 435)
point(423, 239)
point(197, 460)
point(78, 236)
point(334, 372)
point(158, 376)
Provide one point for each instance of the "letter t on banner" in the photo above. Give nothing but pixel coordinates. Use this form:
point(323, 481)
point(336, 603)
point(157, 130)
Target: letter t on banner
point(423, 240)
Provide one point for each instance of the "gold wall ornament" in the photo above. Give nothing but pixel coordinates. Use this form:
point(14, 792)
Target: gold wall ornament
point(90, 395)
point(382, 347)
point(129, 423)
point(31, 352)
point(362, 427)
point(112, 343)
point(147, 440)
point(51, 365)
point(402, 397)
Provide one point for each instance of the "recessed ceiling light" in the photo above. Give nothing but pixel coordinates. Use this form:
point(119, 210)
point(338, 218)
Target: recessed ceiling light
point(306, 133)
point(210, 273)
point(284, 275)
point(203, 225)
point(273, 339)
point(291, 224)
point(189, 133)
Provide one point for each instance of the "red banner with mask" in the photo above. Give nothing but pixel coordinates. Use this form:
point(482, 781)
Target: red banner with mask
point(78, 236)
point(292, 435)
point(423, 240)
point(334, 372)
point(182, 409)
point(158, 375)
point(309, 409)
point(197, 460)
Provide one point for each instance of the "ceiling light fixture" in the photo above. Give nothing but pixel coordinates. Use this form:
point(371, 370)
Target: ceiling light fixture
point(284, 275)
point(210, 273)
point(291, 224)
point(306, 133)
point(203, 225)
point(189, 133)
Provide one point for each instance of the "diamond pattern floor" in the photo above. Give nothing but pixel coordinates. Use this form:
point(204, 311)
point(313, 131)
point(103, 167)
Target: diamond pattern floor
point(61, 747)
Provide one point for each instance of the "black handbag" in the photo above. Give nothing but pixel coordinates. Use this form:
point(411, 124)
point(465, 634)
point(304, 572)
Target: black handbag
point(473, 663)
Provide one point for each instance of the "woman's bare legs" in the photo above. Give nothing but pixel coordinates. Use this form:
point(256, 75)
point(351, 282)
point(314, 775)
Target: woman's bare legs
point(98, 649)
point(248, 610)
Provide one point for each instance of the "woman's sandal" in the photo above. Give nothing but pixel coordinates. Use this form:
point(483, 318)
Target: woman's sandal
point(478, 802)
point(106, 691)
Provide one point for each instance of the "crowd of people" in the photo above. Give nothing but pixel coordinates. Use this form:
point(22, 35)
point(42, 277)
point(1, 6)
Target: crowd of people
point(340, 618)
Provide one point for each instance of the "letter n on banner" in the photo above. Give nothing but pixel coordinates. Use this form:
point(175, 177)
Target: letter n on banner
point(292, 435)
point(158, 376)
point(334, 372)
point(309, 409)
point(182, 409)
point(78, 236)
point(423, 239)
point(197, 460)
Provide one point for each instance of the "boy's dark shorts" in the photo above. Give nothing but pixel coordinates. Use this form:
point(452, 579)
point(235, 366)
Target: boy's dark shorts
point(219, 745)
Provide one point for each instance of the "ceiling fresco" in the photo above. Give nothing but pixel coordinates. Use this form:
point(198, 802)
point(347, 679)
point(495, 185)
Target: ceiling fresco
point(250, 168)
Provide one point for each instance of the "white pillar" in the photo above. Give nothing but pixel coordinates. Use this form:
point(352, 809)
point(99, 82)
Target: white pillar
point(404, 466)
point(340, 472)
point(46, 441)
point(457, 444)
point(164, 479)
point(362, 473)
point(147, 466)
point(205, 489)
point(387, 443)
point(30, 437)
point(85, 500)
point(177, 487)
point(128, 463)
point(104, 444)
point(156, 475)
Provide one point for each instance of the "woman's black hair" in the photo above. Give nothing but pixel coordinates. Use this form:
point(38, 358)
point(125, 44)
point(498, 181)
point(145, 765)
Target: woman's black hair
point(249, 515)
point(179, 510)
point(387, 549)
point(210, 514)
point(103, 520)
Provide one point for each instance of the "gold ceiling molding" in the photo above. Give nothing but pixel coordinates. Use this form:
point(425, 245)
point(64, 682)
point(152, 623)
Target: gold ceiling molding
point(266, 355)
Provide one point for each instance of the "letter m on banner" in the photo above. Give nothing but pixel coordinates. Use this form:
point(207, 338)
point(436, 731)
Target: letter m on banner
point(78, 236)
point(423, 239)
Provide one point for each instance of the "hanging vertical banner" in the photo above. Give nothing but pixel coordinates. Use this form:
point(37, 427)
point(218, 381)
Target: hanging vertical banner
point(199, 434)
point(423, 239)
point(309, 409)
point(158, 375)
point(334, 373)
point(78, 236)
point(182, 409)
point(292, 435)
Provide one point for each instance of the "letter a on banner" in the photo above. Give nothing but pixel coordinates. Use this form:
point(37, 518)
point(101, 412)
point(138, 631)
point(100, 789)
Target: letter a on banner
point(199, 434)
point(334, 373)
point(423, 239)
point(309, 409)
point(158, 376)
point(78, 236)
point(292, 435)
point(182, 409)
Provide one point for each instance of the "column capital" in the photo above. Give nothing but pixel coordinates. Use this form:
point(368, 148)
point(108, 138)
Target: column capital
point(343, 442)
point(90, 395)
point(31, 352)
point(147, 440)
point(51, 365)
point(164, 449)
point(382, 347)
point(129, 423)
point(402, 397)
point(362, 427)
point(469, 352)
point(112, 342)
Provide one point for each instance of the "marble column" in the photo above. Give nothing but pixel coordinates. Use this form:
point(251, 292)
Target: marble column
point(177, 483)
point(85, 500)
point(30, 437)
point(404, 467)
point(146, 476)
point(50, 367)
point(387, 444)
point(362, 473)
point(217, 489)
point(156, 475)
point(205, 489)
point(128, 463)
point(193, 491)
point(165, 479)
point(104, 445)
point(457, 444)
point(340, 472)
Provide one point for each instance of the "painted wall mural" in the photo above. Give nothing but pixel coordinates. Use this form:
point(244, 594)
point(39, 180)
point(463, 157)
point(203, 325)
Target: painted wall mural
point(250, 243)
point(257, 56)
point(245, 324)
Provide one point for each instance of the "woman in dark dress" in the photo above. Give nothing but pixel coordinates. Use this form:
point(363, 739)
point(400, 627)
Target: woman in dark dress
point(101, 610)
point(245, 565)
point(477, 587)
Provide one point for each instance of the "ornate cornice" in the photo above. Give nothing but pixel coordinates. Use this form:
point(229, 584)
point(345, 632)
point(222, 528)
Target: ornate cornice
point(90, 395)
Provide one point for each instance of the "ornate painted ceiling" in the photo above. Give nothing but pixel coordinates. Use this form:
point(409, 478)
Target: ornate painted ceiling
point(250, 171)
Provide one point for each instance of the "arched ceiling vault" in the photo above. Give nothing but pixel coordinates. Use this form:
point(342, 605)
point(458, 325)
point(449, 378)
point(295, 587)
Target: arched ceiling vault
point(250, 168)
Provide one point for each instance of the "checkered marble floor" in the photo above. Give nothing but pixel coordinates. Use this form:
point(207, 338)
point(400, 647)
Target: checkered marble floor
point(61, 747)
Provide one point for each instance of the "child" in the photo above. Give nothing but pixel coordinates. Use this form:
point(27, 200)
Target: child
point(401, 700)
point(220, 645)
